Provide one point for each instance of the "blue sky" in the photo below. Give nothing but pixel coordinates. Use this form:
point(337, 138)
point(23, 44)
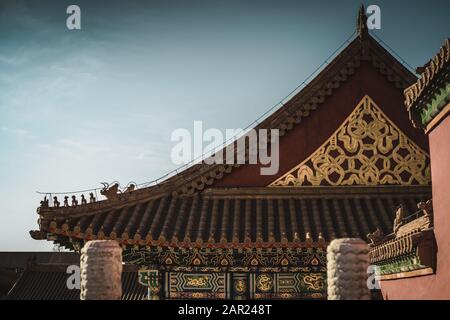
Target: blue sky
point(99, 104)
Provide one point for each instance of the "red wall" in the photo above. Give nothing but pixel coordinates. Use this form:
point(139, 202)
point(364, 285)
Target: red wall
point(433, 286)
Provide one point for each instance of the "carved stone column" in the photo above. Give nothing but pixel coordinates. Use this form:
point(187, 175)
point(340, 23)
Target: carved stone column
point(101, 270)
point(347, 262)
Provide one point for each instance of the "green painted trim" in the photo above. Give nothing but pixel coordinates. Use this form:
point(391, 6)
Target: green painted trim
point(437, 103)
point(404, 264)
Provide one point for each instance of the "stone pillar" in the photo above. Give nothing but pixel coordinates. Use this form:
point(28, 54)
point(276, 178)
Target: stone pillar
point(101, 270)
point(347, 263)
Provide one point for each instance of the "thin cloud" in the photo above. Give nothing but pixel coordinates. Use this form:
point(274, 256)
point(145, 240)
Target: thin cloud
point(19, 132)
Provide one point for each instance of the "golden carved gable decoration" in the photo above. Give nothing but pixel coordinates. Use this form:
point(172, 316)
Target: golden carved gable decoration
point(367, 149)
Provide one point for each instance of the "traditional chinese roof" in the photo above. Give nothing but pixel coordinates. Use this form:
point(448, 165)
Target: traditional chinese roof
point(431, 92)
point(42, 281)
point(191, 209)
point(239, 217)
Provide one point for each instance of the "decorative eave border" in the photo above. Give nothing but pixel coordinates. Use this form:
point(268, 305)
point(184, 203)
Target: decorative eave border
point(75, 236)
point(322, 192)
point(226, 260)
point(395, 247)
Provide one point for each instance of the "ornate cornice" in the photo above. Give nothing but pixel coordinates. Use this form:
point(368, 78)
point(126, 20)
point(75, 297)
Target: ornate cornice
point(322, 192)
point(61, 234)
point(228, 259)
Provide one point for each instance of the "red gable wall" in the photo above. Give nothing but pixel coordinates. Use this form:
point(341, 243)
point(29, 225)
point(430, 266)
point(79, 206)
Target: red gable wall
point(314, 130)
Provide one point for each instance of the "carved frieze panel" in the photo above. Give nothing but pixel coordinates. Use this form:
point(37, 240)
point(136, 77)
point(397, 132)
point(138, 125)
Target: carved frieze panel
point(368, 149)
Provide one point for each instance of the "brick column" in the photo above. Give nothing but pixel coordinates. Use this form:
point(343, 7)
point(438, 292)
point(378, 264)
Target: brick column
point(101, 270)
point(347, 262)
